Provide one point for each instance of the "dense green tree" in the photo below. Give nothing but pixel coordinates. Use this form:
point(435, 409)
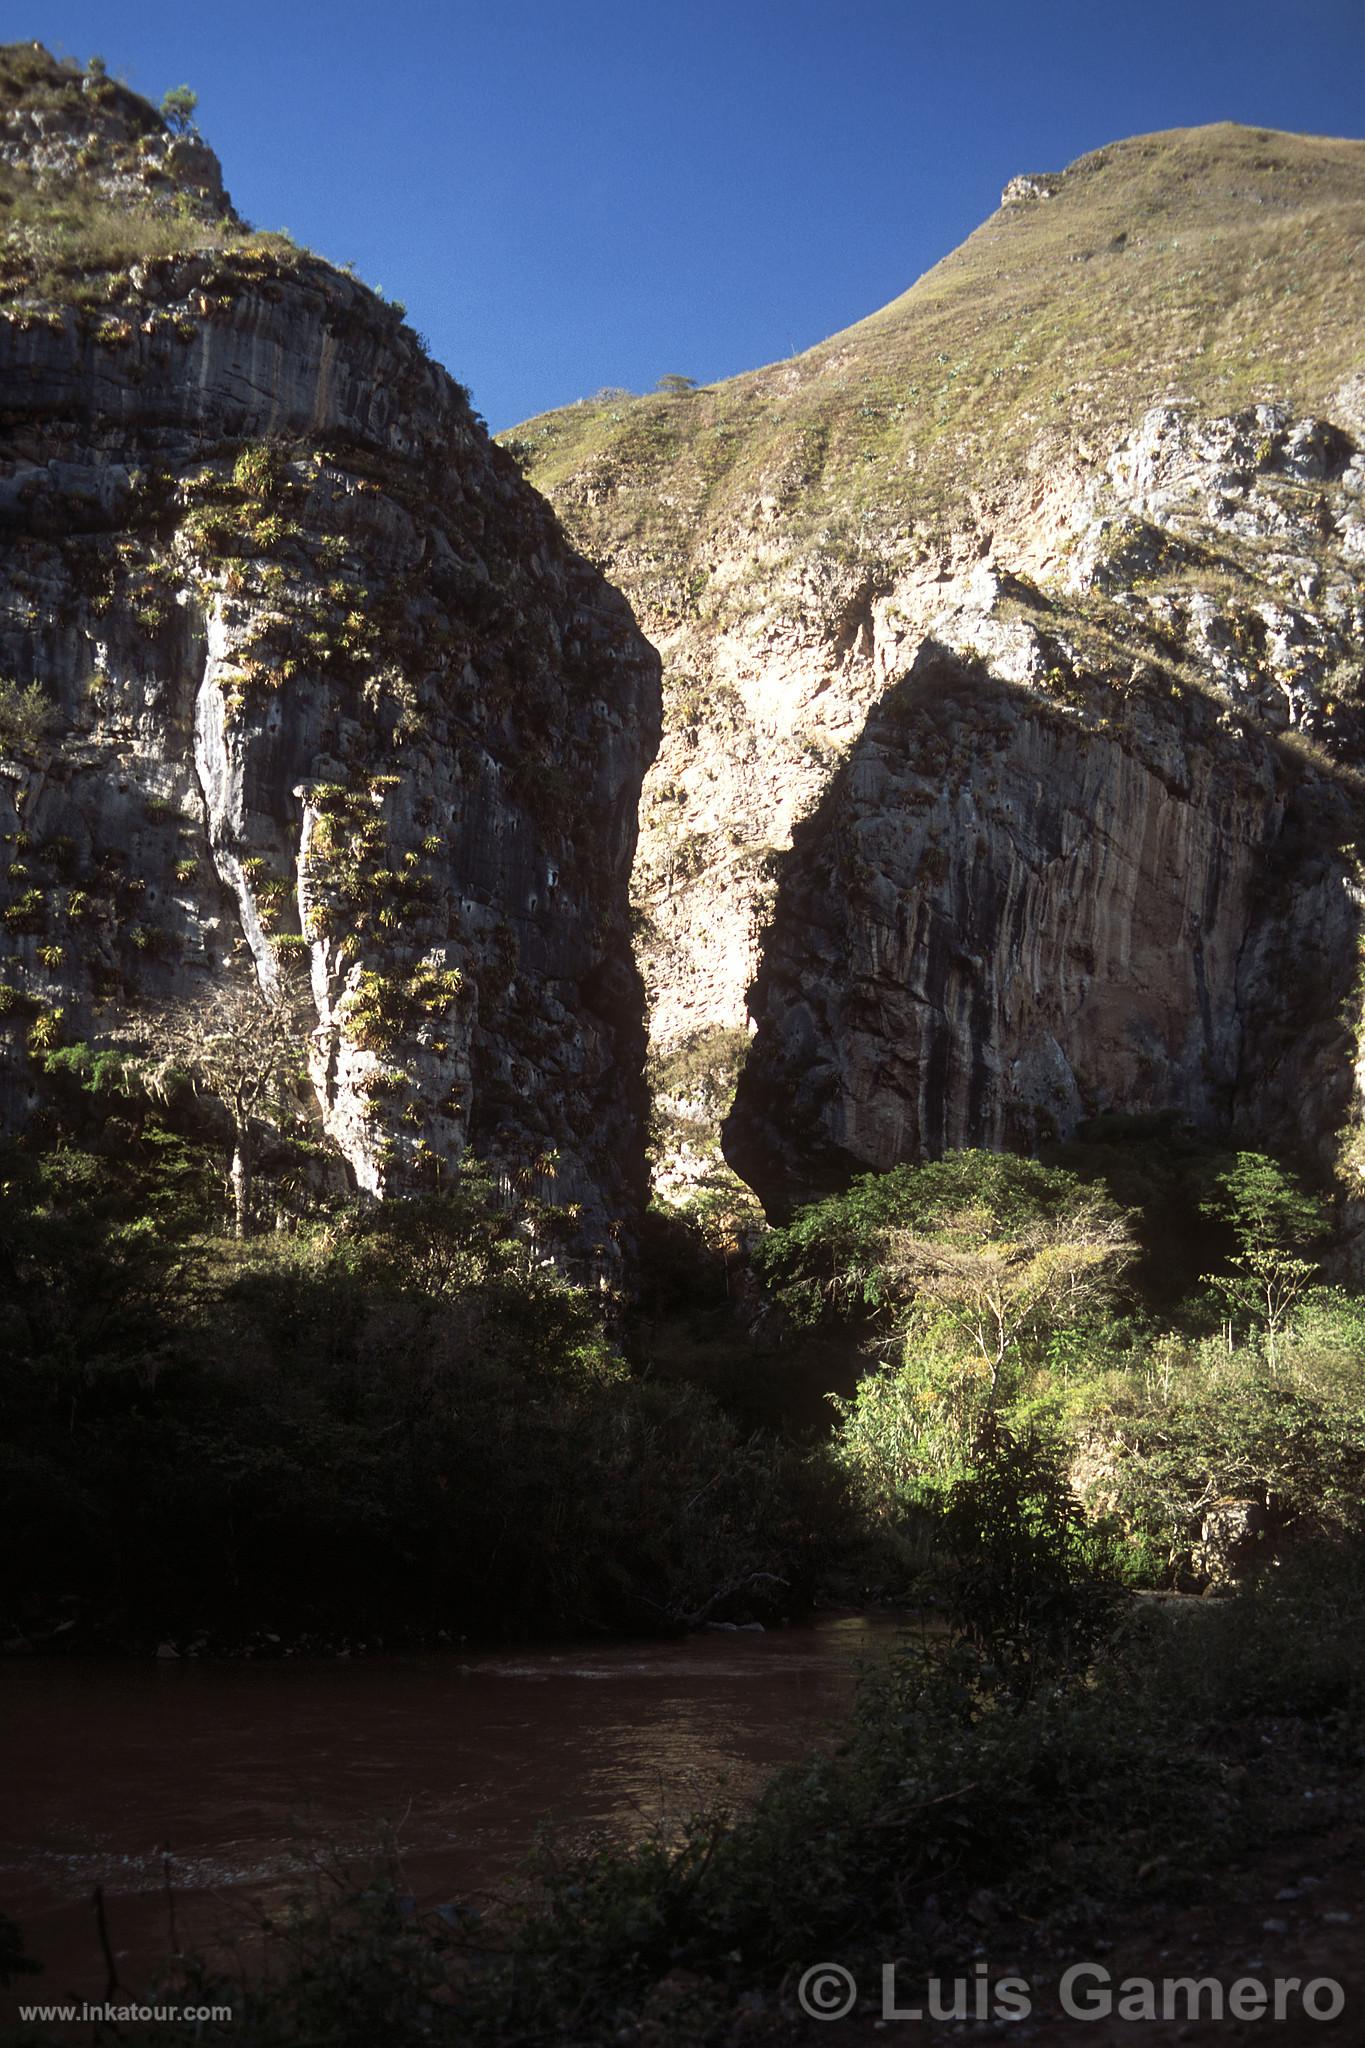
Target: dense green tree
point(178, 108)
point(1277, 1224)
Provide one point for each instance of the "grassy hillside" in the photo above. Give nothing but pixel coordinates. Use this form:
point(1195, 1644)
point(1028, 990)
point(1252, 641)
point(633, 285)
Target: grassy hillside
point(95, 184)
point(1215, 264)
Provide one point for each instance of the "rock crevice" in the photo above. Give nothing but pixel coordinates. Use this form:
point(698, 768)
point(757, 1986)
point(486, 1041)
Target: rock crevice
point(300, 680)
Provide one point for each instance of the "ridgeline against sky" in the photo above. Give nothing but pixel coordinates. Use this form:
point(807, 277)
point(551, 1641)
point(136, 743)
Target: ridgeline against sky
point(568, 198)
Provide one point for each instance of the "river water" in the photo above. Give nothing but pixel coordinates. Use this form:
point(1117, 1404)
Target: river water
point(244, 1774)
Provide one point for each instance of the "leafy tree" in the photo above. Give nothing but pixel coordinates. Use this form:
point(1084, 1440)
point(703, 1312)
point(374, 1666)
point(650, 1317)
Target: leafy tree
point(178, 109)
point(95, 1267)
point(674, 386)
point(245, 1050)
point(1276, 1224)
point(1196, 1427)
point(846, 1256)
point(998, 1285)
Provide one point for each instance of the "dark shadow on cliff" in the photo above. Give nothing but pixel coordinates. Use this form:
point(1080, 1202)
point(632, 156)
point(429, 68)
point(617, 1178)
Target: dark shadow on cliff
point(1011, 912)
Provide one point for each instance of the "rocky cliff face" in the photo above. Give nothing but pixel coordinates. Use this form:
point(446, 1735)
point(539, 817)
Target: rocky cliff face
point(1037, 595)
point(298, 681)
point(1099, 849)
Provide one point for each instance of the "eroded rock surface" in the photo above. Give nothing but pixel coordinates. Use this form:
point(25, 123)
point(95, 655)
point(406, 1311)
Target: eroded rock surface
point(325, 696)
point(1099, 848)
point(791, 538)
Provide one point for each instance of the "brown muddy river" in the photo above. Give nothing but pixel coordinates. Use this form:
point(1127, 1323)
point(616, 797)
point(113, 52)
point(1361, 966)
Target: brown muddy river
point(242, 1773)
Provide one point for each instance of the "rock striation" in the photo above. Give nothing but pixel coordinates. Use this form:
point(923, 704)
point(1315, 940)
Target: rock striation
point(1099, 849)
point(299, 681)
point(1011, 651)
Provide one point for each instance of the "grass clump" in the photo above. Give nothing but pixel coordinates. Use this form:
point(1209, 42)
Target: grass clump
point(26, 712)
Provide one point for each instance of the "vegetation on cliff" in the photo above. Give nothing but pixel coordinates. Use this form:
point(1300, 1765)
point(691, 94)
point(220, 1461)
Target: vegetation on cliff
point(95, 182)
point(1215, 264)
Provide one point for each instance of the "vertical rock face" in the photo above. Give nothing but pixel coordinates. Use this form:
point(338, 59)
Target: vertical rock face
point(1137, 385)
point(298, 679)
point(1008, 915)
point(1099, 849)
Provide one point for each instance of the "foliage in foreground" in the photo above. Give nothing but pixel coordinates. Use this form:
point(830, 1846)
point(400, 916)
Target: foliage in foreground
point(390, 1425)
point(955, 1805)
point(1001, 1289)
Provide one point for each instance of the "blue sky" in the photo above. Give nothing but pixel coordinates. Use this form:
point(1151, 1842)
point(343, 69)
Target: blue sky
point(601, 191)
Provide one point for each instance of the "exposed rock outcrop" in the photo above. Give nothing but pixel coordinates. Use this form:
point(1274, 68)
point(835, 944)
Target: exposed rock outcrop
point(323, 695)
point(792, 538)
point(1097, 850)
point(1030, 185)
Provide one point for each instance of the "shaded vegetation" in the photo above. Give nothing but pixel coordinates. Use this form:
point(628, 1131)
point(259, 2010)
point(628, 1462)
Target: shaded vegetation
point(399, 1424)
point(393, 1425)
point(957, 1811)
point(406, 1421)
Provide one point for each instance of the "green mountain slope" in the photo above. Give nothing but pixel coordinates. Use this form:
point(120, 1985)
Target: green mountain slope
point(1217, 265)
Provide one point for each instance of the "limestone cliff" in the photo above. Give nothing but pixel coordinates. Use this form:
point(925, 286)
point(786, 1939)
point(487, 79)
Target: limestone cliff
point(1104, 853)
point(903, 585)
point(298, 679)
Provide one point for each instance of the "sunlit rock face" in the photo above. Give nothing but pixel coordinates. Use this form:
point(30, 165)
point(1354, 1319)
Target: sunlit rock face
point(1135, 391)
point(325, 699)
point(1098, 849)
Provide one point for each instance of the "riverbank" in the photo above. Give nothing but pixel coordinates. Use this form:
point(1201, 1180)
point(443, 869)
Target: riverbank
point(213, 1790)
point(1126, 1812)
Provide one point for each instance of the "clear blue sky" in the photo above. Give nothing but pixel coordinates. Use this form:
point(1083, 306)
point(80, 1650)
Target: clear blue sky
point(599, 191)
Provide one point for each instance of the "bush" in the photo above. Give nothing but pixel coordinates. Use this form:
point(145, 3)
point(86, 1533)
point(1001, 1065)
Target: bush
point(907, 1431)
point(26, 711)
point(393, 1423)
point(1203, 1426)
point(1034, 1583)
point(178, 108)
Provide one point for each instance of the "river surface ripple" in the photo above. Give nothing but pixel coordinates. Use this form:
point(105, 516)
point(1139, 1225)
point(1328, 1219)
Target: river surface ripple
point(244, 1775)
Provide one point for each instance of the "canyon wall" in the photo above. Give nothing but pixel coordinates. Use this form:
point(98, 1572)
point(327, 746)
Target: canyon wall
point(1098, 850)
point(303, 686)
point(1095, 480)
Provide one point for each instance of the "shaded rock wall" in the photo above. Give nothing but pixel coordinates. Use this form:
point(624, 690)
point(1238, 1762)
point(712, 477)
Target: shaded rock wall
point(328, 700)
point(1009, 914)
point(1100, 847)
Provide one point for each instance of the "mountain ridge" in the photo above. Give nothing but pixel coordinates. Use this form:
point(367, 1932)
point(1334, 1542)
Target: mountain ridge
point(790, 537)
